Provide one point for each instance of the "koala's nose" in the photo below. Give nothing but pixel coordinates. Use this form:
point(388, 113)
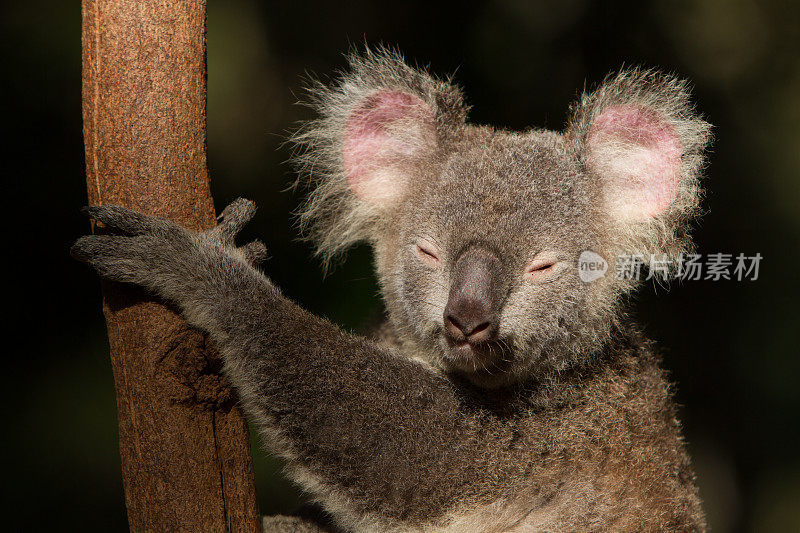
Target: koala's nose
point(475, 298)
point(473, 327)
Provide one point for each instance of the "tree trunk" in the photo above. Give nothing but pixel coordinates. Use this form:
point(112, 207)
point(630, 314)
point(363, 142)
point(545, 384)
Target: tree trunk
point(186, 460)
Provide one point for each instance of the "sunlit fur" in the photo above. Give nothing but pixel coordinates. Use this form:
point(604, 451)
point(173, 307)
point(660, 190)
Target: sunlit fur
point(517, 193)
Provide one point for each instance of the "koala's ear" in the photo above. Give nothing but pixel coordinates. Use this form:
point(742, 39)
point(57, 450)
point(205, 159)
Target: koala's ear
point(375, 128)
point(639, 137)
point(637, 153)
point(383, 137)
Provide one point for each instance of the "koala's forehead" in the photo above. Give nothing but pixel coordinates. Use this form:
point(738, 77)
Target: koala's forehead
point(491, 181)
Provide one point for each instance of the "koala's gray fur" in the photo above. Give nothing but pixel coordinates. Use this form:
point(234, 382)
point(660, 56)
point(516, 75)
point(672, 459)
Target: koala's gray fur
point(569, 427)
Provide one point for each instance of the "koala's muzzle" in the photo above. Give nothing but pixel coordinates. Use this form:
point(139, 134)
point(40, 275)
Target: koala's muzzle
point(476, 297)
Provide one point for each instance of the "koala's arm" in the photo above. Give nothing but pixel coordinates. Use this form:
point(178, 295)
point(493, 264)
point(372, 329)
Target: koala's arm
point(368, 432)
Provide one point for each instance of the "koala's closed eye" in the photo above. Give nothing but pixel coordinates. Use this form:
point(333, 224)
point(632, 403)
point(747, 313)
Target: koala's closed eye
point(544, 268)
point(427, 252)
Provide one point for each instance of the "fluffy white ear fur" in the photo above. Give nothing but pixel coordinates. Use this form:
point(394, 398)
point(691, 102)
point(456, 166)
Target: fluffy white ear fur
point(637, 153)
point(383, 136)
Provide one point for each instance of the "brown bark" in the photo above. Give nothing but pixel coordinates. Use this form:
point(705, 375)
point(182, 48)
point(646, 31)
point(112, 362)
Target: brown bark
point(186, 460)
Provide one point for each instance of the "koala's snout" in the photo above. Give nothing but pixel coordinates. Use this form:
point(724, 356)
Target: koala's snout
point(476, 297)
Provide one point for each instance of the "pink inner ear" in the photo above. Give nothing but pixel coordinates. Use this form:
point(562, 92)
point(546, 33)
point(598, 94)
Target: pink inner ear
point(639, 152)
point(370, 146)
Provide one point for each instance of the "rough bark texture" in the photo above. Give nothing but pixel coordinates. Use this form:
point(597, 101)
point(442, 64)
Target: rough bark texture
point(186, 460)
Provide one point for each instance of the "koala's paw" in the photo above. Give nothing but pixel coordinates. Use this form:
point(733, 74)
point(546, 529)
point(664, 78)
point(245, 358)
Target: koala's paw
point(147, 249)
point(141, 248)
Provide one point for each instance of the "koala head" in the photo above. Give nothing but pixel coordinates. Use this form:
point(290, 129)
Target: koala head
point(477, 231)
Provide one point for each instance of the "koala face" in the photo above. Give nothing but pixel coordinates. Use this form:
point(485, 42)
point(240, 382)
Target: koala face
point(482, 272)
point(477, 231)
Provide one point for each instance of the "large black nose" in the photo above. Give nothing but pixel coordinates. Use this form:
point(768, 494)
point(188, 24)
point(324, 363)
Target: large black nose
point(476, 295)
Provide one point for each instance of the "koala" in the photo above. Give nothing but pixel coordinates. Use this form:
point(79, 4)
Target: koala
point(501, 392)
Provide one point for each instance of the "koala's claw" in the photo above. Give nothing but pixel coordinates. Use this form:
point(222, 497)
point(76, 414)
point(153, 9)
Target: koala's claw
point(255, 252)
point(128, 221)
point(114, 257)
point(233, 219)
point(83, 248)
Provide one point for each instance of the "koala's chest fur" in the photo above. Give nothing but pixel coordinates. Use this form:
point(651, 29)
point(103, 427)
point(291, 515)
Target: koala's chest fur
point(597, 449)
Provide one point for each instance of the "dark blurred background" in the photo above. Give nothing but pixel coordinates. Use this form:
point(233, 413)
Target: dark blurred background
point(730, 346)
